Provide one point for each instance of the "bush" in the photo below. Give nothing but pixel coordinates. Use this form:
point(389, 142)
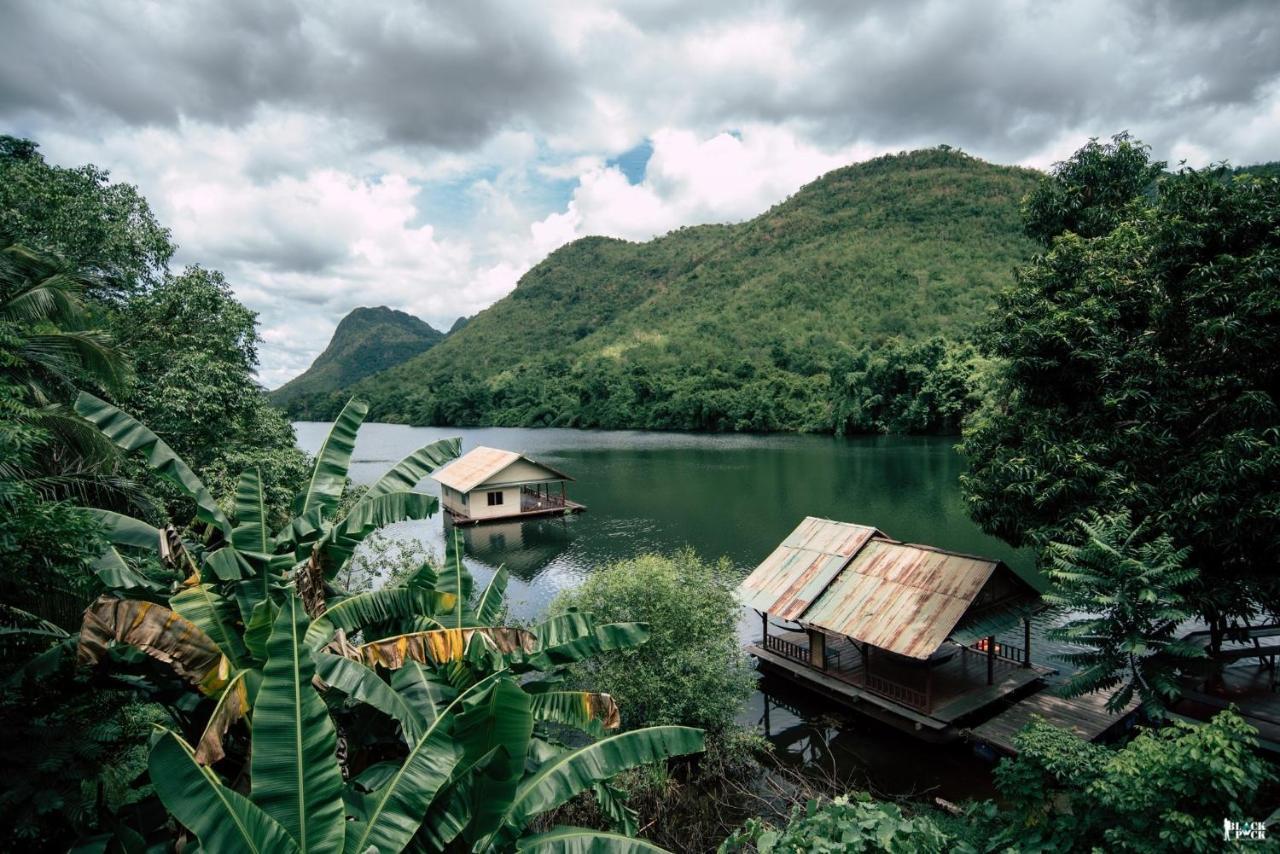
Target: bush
point(692, 671)
point(846, 824)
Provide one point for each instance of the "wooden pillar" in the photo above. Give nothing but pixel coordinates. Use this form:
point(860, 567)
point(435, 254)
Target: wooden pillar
point(764, 635)
point(991, 659)
point(1026, 641)
point(562, 492)
point(817, 649)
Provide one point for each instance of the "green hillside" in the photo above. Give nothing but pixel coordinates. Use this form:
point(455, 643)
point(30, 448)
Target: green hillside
point(367, 340)
point(730, 327)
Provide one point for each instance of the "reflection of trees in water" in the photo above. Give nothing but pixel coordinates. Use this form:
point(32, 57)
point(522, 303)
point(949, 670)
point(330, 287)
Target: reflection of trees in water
point(524, 548)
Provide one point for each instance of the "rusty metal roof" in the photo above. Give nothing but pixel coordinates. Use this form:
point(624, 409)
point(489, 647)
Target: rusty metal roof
point(803, 565)
point(474, 468)
point(854, 581)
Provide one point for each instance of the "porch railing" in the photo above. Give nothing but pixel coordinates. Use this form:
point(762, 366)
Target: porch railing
point(1004, 651)
point(897, 692)
point(533, 500)
point(786, 648)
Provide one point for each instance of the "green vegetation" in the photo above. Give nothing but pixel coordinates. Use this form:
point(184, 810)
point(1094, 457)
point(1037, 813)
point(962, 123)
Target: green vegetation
point(1138, 373)
point(857, 823)
point(367, 340)
point(731, 327)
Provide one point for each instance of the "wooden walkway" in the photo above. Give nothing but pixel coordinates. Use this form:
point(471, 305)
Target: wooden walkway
point(1086, 716)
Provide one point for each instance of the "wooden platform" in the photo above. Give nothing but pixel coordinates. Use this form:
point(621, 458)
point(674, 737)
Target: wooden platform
point(567, 509)
point(1086, 716)
point(959, 688)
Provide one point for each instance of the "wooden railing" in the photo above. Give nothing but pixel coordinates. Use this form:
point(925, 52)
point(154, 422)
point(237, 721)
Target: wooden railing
point(786, 648)
point(533, 500)
point(1004, 651)
point(897, 692)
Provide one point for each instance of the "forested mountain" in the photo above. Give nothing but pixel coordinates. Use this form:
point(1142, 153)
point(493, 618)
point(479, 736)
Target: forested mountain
point(367, 340)
point(755, 326)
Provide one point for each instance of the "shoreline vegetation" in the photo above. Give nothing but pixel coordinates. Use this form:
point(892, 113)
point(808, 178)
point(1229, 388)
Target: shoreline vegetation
point(195, 652)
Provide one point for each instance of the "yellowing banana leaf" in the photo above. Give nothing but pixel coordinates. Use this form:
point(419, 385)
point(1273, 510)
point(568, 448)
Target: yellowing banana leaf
point(131, 435)
point(409, 472)
point(582, 709)
point(160, 633)
point(581, 840)
point(233, 705)
point(443, 645)
point(329, 476)
point(213, 615)
point(360, 683)
point(294, 768)
point(222, 819)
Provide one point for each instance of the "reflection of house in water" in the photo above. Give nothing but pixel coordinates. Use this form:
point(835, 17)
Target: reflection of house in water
point(524, 548)
point(487, 484)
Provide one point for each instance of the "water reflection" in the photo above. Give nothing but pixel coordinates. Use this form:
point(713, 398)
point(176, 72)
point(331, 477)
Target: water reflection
point(524, 548)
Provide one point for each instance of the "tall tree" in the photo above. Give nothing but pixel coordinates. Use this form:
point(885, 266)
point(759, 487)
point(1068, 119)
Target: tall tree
point(1141, 374)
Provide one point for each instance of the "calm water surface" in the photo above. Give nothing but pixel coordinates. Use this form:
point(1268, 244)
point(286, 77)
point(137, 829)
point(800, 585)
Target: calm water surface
point(736, 496)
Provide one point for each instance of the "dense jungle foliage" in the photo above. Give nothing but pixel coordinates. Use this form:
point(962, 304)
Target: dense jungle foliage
point(366, 341)
point(771, 324)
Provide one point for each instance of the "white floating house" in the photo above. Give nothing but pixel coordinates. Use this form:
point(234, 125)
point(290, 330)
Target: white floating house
point(486, 484)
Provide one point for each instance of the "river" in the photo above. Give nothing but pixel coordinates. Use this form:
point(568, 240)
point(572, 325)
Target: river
point(731, 495)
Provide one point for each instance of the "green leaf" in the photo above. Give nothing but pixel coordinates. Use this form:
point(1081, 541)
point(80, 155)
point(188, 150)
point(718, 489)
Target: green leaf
point(360, 683)
point(423, 690)
point(329, 477)
point(580, 840)
point(121, 530)
point(409, 472)
point(214, 615)
point(223, 820)
point(294, 768)
point(257, 632)
point(131, 435)
point(496, 729)
point(228, 564)
point(585, 710)
point(367, 517)
point(251, 533)
point(560, 779)
point(363, 609)
point(489, 608)
point(115, 574)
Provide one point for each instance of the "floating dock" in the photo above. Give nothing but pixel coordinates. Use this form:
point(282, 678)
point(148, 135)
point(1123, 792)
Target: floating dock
point(1086, 716)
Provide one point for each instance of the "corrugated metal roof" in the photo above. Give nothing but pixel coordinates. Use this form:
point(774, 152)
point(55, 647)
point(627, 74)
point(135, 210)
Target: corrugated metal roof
point(479, 464)
point(803, 565)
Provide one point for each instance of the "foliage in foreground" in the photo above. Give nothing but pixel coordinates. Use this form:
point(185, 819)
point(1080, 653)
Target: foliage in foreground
point(854, 823)
point(1127, 585)
point(1167, 790)
point(376, 720)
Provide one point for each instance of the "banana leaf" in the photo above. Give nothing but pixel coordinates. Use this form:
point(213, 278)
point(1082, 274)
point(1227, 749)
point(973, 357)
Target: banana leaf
point(425, 692)
point(131, 435)
point(227, 564)
point(233, 705)
point(360, 683)
point(160, 633)
point(121, 530)
point(329, 476)
point(115, 574)
point(366, 517)
point(557, 781)
point(213, 615)
point(294, 768)
point(489, 608)
point(392, 815)
point(409, 472)
point(494, 733)
point(584, 710)
point(442, 645)
point(257, 631)
point(222, 819)
point(250, 533)
point(581, 840)
point(363, 609)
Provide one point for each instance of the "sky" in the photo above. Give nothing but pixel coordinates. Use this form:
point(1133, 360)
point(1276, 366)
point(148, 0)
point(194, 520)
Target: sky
point(424, 155)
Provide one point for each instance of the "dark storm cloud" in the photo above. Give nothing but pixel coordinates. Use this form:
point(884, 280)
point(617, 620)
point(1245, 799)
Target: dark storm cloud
point(445, 74)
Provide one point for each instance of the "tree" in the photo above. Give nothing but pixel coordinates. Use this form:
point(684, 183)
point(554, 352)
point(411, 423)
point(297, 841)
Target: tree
point(457, 748)
point(1140, 374)
point(103, 228)
point(1126, 584)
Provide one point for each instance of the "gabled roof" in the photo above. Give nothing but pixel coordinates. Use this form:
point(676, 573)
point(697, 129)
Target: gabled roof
point(480, 464)
point(803, 565)
point(904, 598)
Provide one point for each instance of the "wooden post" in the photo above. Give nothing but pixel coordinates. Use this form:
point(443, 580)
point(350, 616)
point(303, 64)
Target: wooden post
point(563, 500)
point(991, 659)
point(764, 636)
point(817, 649)
point(928, 691)
point(1026, 641)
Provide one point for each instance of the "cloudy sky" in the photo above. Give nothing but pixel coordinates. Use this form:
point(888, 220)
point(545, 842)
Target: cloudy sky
point(424, 155)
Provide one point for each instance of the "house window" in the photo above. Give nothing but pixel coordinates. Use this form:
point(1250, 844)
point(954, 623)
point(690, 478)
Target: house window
point(465, 496)
point(495, 499)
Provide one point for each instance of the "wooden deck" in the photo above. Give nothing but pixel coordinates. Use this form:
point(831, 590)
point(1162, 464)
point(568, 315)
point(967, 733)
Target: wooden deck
point(1086, 716)
point(535, 512)
point(895, 690)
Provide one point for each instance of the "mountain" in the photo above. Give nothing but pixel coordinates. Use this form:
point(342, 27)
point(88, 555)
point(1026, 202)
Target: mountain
point(458, 324)
point(367, 340)
point(730, 327)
